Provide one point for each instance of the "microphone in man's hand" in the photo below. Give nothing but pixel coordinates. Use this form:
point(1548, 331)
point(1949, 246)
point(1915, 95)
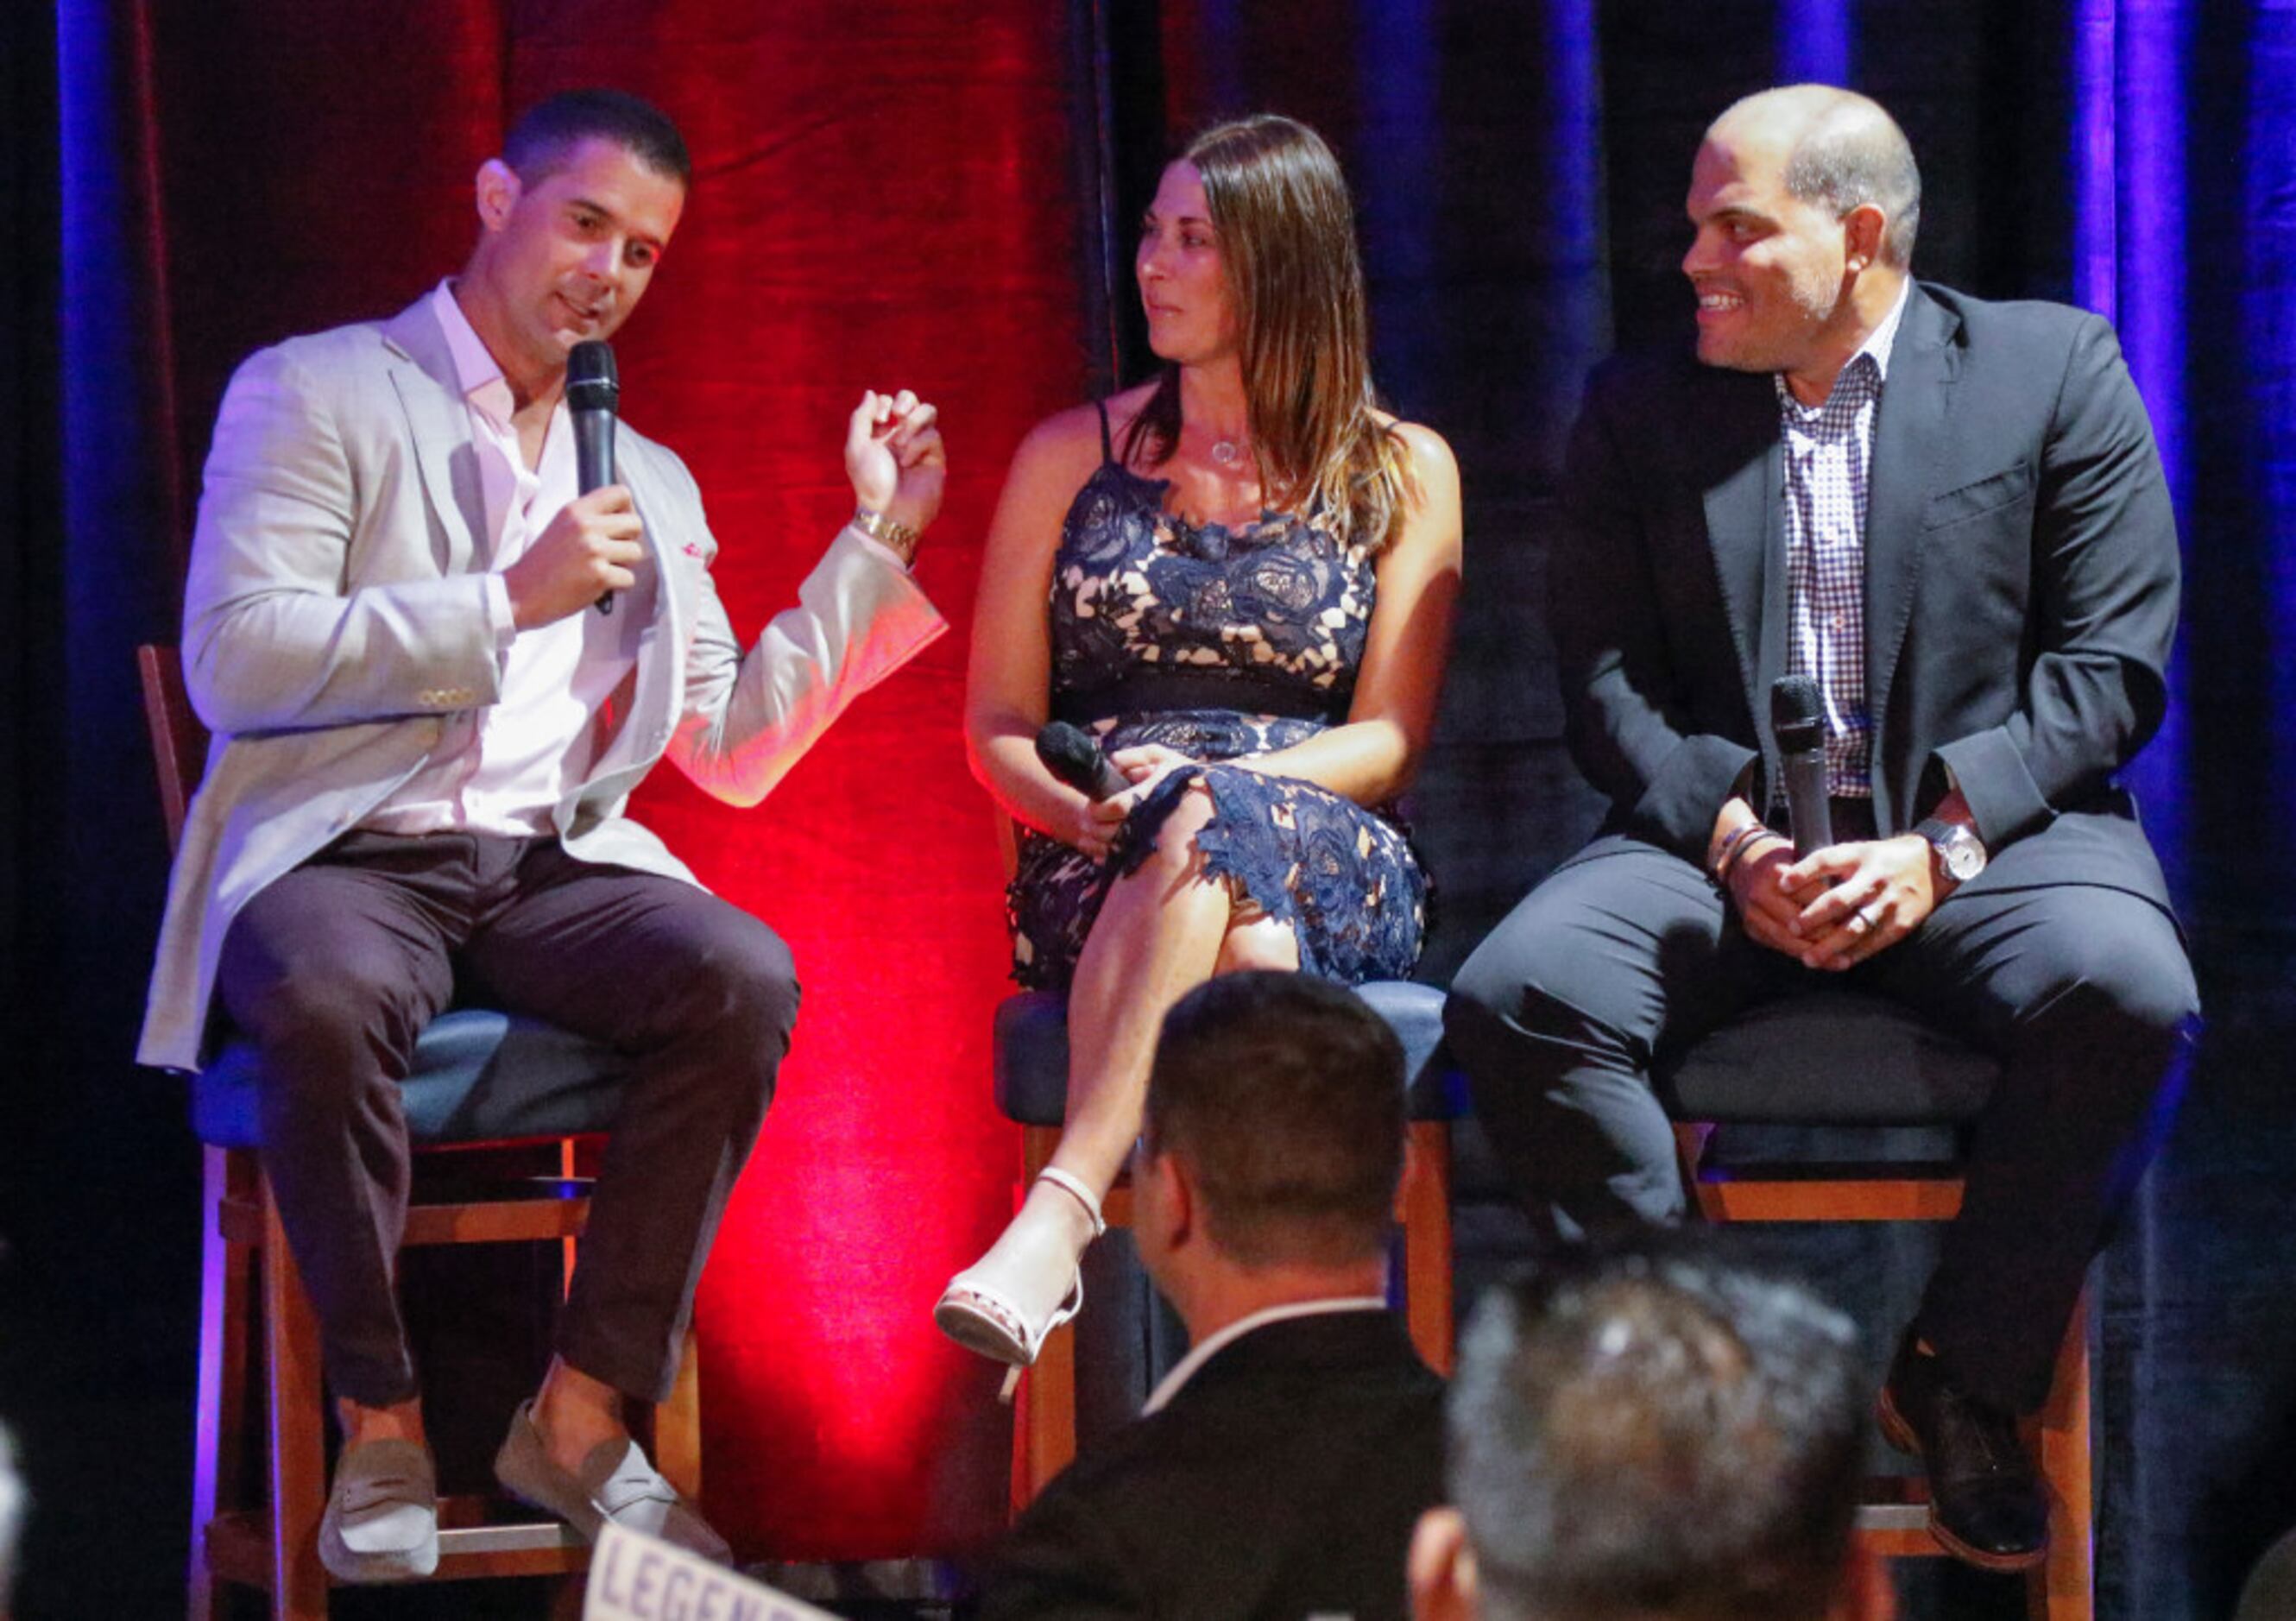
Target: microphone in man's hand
point(593, 390)
point(1069, 754)
point(1798, 720)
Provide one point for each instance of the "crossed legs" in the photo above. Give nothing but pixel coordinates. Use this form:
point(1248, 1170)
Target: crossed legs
point(1164, 928)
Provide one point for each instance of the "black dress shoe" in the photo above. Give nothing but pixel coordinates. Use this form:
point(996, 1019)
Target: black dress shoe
point(1986, 1506)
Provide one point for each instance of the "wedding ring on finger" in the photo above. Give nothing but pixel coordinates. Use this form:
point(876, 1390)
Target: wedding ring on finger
point(1865, 918)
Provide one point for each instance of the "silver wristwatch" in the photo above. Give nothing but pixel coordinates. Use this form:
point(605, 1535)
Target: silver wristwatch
point(1960, 853)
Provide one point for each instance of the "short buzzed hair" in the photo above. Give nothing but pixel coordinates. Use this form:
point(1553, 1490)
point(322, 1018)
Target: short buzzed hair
point(544, 136)
point(1284, 1095)
point(1656, 1431)
point(1853, 154)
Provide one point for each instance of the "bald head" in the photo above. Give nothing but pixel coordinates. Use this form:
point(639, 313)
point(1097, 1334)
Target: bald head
point(1839, 151)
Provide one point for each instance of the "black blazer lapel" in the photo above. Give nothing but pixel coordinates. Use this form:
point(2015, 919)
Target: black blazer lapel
point(1909, 438)
point(1734, 424)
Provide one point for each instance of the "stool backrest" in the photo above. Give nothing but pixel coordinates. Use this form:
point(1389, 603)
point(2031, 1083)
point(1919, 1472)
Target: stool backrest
point(179, 742)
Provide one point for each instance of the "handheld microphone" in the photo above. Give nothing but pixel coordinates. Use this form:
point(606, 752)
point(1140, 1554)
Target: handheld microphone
point(593, 390)
point(1069, 754)
point(1798, 720)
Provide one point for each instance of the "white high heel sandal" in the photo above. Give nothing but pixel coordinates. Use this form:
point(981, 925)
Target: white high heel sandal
point(981, 1315)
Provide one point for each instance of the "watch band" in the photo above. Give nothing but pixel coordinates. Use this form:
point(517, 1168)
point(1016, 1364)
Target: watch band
point(1959, 852)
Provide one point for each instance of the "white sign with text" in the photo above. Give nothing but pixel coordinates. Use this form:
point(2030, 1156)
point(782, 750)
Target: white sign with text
point(637, 1577)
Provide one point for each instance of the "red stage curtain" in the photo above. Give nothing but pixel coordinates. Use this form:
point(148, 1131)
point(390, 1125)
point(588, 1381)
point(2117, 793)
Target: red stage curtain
point(883, 197)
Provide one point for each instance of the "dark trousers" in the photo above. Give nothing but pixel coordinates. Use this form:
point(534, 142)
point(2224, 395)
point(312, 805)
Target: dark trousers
point(335, 969)
point(2082, 992)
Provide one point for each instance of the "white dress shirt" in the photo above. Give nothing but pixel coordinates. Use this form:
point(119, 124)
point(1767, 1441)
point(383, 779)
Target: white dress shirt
point(1211, 1344)
point(501, 768)
point(1829, 457)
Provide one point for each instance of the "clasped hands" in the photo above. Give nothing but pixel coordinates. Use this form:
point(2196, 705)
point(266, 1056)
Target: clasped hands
point(893, 456)
point(1098, 821)
point(1835, 908)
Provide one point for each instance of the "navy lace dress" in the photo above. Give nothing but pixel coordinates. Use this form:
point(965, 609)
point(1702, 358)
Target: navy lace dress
point(1217, 643)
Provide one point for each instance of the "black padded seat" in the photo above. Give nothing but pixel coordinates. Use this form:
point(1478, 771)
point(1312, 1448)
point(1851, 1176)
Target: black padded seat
point(1032, 1051)
point(1831, 1056)
point(480, 1076)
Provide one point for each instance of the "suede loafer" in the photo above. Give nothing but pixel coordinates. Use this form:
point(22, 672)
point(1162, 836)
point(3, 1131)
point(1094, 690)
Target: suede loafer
point(381, 1523)
point(615, 1482)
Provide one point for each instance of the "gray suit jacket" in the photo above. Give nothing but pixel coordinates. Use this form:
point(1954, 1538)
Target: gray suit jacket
point(335, 617)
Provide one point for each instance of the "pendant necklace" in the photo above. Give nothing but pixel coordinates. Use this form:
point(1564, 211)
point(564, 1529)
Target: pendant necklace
point(1226, 451)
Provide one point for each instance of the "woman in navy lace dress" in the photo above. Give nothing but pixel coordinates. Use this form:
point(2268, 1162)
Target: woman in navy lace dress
point(1240, 578)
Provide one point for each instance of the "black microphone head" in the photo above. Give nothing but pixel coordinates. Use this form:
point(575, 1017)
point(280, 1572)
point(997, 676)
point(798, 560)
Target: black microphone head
point(1069, 753)
point(592, 381)
point(1797, 714)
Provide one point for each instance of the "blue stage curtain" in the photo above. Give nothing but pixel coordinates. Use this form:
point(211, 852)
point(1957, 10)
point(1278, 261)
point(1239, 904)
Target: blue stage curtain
point(949, 192)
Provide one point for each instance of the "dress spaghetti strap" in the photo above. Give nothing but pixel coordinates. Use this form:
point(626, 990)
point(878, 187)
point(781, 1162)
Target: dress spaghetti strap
point(1107, 445)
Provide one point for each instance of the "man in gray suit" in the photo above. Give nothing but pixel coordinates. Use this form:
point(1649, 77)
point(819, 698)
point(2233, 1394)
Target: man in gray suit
point(427, 738)
point(1949, 515)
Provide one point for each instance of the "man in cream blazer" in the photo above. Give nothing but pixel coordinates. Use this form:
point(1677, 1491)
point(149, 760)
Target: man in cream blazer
point(427, 731)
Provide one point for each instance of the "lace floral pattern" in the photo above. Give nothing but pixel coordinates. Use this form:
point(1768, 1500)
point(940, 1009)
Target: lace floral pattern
point(1283, 609)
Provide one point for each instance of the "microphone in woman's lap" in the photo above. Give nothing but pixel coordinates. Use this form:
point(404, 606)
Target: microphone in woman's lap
point(1069, 753)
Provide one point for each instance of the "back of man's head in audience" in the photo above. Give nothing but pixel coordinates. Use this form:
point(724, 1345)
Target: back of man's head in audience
point(1651, 1434)
point(1279, 1099)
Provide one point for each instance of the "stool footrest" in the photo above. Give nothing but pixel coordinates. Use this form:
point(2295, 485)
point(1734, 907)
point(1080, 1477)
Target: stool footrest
point(501, 1221)
point(478, 1537)
point(1898, 1530)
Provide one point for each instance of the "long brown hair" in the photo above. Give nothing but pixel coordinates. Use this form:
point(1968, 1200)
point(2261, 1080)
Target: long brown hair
point(1287, 239)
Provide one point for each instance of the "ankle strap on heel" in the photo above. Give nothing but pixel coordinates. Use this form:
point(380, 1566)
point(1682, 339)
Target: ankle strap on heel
point(1075, 1188)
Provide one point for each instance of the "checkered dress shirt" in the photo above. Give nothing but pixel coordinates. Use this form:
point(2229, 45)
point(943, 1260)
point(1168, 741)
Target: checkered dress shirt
point(1829, 451)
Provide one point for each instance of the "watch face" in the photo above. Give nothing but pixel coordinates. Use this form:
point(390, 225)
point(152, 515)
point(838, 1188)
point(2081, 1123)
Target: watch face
point(1958, 852)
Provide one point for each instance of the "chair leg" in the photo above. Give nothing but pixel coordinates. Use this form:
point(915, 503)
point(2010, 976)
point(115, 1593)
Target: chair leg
point(1689, 1140)
point(298, 1462)
point(1051, 1415)
point(569, 1248)
point(1045, 1425)
point(219, 1410)
point(2062, 1588)
point(1426, 1201)
point(678, 1426)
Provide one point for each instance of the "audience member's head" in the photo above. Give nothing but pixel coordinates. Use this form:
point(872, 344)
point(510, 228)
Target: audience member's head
point(1651, 1434)
point(1273, 1139)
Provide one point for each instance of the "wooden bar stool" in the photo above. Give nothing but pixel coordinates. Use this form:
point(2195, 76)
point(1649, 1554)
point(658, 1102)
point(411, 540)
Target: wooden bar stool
point(1836, 1056)
point(481, 1079)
